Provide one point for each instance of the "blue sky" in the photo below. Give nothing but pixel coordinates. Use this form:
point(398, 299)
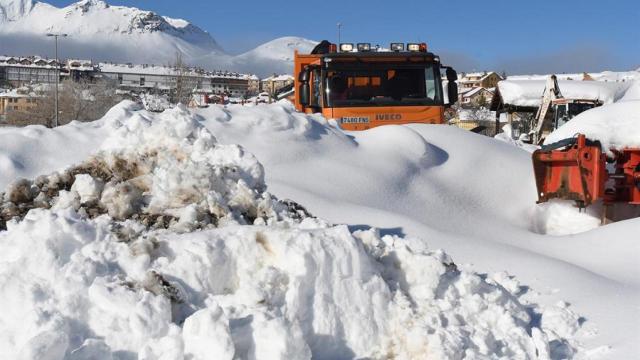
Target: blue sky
point(515, 35)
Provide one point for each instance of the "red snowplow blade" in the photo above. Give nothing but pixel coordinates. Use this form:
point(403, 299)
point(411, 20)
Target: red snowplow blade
point(572, 169)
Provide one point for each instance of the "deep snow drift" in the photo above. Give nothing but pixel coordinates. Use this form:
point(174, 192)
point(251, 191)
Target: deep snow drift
point(165, 244)
point(615, 125)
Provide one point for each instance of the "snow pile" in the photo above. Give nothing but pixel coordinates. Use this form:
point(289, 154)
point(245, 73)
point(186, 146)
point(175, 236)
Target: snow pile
point(482, 114)
point(155, 102)
point(529, 92)
point(507, 136)
point(616, 125)
point(165, 245)
point(559, 218)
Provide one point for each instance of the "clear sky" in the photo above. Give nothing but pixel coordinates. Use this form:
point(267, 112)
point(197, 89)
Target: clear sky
point(513, 35)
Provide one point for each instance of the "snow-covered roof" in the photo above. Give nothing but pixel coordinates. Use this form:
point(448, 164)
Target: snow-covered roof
point(529, 92)
point(150, 69)
point(283, 77)
point(17, 93)
point(32, 61)
point(480, 75)
point(601, 76)
point(473, 91)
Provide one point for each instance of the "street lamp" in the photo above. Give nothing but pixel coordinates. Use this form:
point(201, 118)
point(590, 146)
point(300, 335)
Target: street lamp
point(339, 25)
point(56, 36)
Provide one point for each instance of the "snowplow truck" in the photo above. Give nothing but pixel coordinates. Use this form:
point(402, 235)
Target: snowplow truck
point(363, 87)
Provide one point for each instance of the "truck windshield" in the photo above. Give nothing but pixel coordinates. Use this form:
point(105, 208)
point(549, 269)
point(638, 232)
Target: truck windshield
point(382, 85)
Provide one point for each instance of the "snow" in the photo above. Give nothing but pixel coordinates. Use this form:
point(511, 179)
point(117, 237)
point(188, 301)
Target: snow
point(529, 92)
point(126, 34)
point(10, 10)
point(156, 103)
point(284, 77)
point(99, 30)
point(616, 125)
point(163, 242)
point(273, 57)
point(507, 136)
point(615, 76)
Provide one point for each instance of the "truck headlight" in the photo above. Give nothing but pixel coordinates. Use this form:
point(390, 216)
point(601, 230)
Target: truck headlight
point(348, 47)
point(397, 46)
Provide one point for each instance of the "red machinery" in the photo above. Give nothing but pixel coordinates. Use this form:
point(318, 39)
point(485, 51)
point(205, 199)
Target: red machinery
point(576, 169)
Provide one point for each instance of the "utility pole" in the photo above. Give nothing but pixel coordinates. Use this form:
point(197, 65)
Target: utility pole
point(55, 36)
point(339, 25)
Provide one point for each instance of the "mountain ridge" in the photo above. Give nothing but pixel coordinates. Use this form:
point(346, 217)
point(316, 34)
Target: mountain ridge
point(104, 32)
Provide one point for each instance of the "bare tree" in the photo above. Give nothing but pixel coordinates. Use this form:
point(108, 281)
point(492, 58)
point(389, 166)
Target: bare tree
point(182, 91)
point(77, 100)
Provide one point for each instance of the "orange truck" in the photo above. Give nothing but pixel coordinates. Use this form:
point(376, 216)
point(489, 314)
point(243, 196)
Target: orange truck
point(362, 87)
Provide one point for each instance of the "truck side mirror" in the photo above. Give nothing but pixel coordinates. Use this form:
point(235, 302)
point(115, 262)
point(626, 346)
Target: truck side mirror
point(303, 77)
point(452, 92)
point(452, 75)
point(303, 89)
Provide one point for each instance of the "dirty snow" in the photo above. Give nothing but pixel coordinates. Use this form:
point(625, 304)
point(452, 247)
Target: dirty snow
point(148, 272)
point(164, 244)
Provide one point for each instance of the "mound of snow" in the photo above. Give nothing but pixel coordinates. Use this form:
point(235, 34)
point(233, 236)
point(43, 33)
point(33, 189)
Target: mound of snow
point(155, 103)
point(165, 244)
point(507, 136)
point(616, 125)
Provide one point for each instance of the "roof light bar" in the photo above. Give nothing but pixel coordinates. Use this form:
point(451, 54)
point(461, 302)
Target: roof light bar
point(347, 47)
point(417, 47)
point(364, 47)
point(397, 46)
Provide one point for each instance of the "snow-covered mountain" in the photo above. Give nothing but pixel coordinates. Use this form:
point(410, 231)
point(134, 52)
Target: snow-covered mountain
point(275, 56)
point(100, 31)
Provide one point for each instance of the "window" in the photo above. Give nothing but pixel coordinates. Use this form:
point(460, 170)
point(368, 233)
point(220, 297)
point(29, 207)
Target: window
point(383, 85)
point(142, 81)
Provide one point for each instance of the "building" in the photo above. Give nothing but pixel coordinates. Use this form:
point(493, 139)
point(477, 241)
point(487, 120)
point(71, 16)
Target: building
point(479, 79)
point(21, 71)
point(253, 84)
point(481, 121)
point(78, 70)
point(476, 97)
point(162, 79)
point(273, 83)
point(15, 101)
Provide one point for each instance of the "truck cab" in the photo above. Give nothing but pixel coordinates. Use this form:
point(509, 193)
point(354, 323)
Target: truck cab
point(361, 87)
